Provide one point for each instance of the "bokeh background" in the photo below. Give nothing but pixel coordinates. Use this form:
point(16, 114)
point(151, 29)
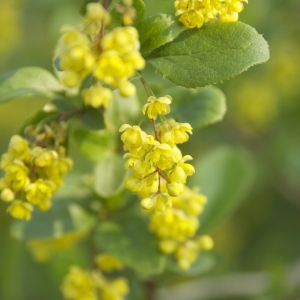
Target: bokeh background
point(258, 245)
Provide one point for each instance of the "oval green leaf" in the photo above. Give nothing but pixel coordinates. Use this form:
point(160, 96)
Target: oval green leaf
point(201, 107)
point(28, 81)
point(110, 174)
point(225, 175)
point(211, 54)
point(158, 30)
point(93, 144)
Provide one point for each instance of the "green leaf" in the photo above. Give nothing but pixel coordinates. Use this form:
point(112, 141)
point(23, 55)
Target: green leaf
point(129, 239)
point(225, 176)
point(122, 110)
point(116, 16)
point(201, 107)
point(28, 81)
point(93, 144)
point(93, 118)
point(209, 55)
point(65, 215)
point(110, 174)
point(158, 30)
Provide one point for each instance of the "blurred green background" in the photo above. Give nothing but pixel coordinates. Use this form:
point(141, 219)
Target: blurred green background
point(258, 246)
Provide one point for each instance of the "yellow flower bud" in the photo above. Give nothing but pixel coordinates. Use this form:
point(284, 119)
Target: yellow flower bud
point(148, 203)
point(97, 96)
point(168, 246)
point(7, 195)
point(175, 189)
point(126, 89)
point(206, 242)
point(70, 78)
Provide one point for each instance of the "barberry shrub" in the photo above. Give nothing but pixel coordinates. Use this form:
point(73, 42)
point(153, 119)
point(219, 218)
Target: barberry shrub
point(138, 206)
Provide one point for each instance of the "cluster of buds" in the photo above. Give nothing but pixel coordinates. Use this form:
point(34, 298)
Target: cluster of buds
point(176, 228)
point(94, 285)
point(34, 168)
point(159, 173)
point(112, 58)
point(194, 13)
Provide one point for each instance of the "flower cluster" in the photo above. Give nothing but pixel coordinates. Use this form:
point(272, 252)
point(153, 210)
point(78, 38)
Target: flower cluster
point(194, 13)
point(159, 171)
point(93, 285)
point(110, 57)
point(177, 227)
point(34, 169)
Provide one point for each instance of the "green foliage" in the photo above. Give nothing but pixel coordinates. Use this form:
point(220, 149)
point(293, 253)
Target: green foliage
point(93, 144)
point(28, 81)
point(92, 118)
point(201, 107)
point(189, 58)
point(128, 238)
point(109, 176)
point(122, 110)
point(158, 30)
point(225, 176)
point(209, 55)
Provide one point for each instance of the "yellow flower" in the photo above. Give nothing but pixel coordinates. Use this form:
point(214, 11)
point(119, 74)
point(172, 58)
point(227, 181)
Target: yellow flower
point(132, 137)
point(174, 133)
point(95, 16)
point(39, 191)
point(16, 175)
point(97, 96)
point(115, 289)
point(121, 39)
point(79, 284)
point(194, 13)
point(18, 148)
point(181, 170)
point(7, 195)
point(206, 242)
point(159, 106)
point(158, 202)
point(42, 157)
point(20, 210)
point(161, 157)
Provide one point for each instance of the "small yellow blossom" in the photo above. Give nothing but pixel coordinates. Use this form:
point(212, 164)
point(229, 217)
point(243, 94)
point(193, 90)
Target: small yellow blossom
point(20, 210)
point(115, 289)
point(7, 195)
point(157, 106)
point(97, 96)
point(79, 284)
